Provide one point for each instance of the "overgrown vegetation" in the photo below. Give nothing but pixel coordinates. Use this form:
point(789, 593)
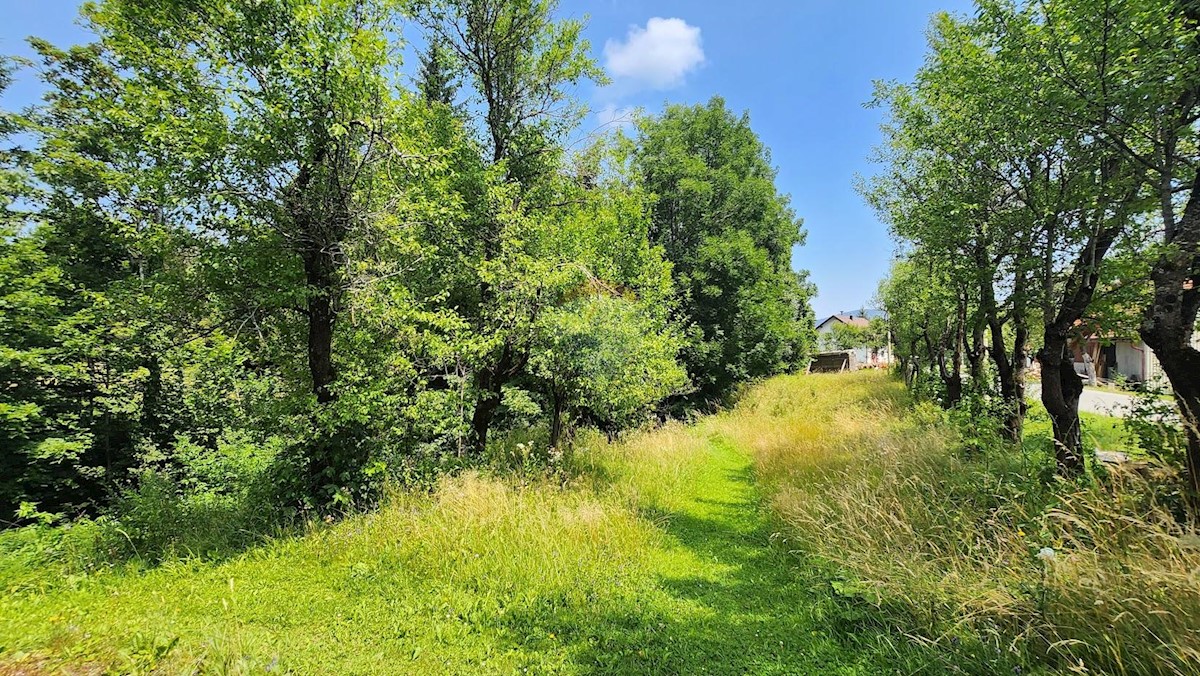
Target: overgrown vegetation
point(972, 551)
point(248, 276)
point(824, 525)
point(645, 556)
point(1041, 179)
point(303, 370)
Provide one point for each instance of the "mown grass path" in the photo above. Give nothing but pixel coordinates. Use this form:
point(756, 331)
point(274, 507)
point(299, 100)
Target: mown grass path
point(482, 578)
point(741, 604)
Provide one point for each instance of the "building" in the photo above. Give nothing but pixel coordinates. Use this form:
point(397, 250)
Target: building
point(1128, 359)
point(1117, 359)
point(864, 356)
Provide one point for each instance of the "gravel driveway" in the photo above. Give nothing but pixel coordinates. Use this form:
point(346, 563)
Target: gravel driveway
point(1115, 404)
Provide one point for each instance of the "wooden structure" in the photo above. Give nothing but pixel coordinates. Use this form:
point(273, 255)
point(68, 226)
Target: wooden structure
point(834, 362)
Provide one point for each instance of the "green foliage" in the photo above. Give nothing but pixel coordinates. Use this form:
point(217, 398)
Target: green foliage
point(436, 82)
point(603, 355)
point(485, 575)
point(729, 236)
point(1153, 421)
point(245, 274)
point(1033, 169)
point(850, 336)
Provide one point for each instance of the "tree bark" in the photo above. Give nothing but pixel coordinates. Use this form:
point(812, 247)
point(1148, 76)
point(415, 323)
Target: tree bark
point(556, 418)
point(319, 275)
point(153, 427)
point(319, 236)
point(491, 395)
point(1009, 370)
point(953, 376)
point(1011, 373)
point(978, 354)
point(1061, 388)
point(1171, 319)
point(490, 381)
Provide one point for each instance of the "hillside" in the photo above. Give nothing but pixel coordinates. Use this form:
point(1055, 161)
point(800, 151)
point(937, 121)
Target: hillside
point(825, 525)
point(658, 557)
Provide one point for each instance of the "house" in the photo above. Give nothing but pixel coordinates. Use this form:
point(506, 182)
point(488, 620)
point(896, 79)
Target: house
point(1116, 358)
point(1122, 358)
point(864, 356)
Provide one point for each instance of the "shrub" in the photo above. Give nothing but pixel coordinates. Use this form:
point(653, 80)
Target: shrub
point(201, 502)
point(1154, 423)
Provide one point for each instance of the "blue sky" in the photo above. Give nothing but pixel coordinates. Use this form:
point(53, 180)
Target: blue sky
point(802, 68)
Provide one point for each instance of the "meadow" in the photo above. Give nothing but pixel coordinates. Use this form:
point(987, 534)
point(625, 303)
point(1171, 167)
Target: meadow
point(825, 525)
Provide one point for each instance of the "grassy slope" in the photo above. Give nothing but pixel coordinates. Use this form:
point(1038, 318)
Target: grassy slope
point(942, 543)
point(660, 558)
point(664, 565)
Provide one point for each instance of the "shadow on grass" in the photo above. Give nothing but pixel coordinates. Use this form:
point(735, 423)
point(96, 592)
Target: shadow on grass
point(745, 608)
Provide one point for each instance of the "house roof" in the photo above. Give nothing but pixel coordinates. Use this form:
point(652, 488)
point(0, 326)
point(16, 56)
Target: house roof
point(852, 320)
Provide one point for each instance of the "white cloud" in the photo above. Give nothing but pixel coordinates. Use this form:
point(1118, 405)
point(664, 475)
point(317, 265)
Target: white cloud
point(658, 56)
point(611, 116)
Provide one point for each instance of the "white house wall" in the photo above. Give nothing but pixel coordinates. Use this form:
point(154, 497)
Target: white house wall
point(1132, 361)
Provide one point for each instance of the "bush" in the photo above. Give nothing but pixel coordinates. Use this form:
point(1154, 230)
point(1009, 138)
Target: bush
point(1154, 423)
point(75, 548)
point(202, 502)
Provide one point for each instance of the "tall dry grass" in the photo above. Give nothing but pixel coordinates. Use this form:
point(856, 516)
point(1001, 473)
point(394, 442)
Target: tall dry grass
point(1096, 579)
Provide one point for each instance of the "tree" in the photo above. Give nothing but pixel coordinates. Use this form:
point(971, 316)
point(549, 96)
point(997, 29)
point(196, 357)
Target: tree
point(607, 356)
point(267, 137)
point(849, 336)
point(436, 81)
point(986, 174)
point(729, 236)
point(44, 442)
point(520, 62)
point(1138, 93)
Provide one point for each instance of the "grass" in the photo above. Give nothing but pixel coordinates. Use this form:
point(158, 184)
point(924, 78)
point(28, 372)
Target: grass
point(657, 559)
point(1099, 432)
point(818, 528)
point(943, 546)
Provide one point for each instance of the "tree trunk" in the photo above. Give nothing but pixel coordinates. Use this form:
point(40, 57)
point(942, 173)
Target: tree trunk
point(491, 395)
point(978, 354)
point(1010, 370)
point(912, 369)
point(319, 275)
point(153, 427)
point(1184, 373)
point(954, 389)
point(319, 235)
point(1012, 380)
point(556, 418)
point(489, 382)
point(1061, 388)
point(1171, 319)
point(953, 376)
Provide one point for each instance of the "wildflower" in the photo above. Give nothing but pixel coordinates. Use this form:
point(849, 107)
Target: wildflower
point(1046, 554)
